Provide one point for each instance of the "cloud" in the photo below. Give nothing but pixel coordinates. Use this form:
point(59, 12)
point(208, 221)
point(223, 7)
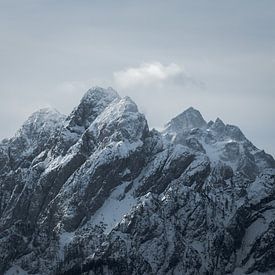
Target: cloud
point(153, 73)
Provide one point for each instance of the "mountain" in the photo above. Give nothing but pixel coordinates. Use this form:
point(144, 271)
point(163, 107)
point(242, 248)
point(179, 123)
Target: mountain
point(98, 192)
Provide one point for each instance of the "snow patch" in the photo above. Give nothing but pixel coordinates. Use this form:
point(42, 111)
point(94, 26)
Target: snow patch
point(64, 239)
point(114, 208)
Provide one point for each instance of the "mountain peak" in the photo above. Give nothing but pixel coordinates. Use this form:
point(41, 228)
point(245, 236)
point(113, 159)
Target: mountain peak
point(190, 109)
point(121, 116)
point(219, 121)
point(44, 113)
point(96, 93)
point(44, 116)
point(94, 101)
point(101, 192)
point(33, 135)
point(190, 118)
point(218, 125)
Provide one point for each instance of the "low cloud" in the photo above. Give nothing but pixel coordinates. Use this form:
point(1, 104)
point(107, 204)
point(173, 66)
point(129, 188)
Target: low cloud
point(153, 74)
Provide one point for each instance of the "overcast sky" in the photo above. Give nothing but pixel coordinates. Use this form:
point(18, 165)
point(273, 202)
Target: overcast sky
point(217, 56)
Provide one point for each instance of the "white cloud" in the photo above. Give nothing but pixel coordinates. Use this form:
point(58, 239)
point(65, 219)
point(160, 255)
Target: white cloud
point(150, 74)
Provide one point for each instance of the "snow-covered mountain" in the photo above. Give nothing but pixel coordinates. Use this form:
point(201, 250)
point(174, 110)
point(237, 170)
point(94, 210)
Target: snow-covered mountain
point(97, 192)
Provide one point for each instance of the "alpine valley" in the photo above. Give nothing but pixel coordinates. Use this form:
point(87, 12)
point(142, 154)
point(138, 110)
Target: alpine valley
point(98, 192)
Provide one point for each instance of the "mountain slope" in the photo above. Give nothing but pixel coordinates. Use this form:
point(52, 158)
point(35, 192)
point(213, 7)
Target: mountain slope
point(97, 191)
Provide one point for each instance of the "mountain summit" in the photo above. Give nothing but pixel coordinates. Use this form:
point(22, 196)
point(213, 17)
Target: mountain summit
point(97, 192)
point(190, 118)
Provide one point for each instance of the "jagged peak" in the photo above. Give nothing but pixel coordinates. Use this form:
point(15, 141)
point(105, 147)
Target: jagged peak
point(122, 115)
point(44, 112)
point(218, 125)
point(97, 92)
point(94, 101)
point(219, 121)
point(190, 110)
point(44, 115)
point(44, 120)
point(118, 108)
point(190, 118)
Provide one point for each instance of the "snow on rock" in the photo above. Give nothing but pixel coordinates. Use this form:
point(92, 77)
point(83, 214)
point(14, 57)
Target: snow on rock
point(262, 186)
point(91, 105)
point(65, 238)
point(121, 120)
point(97, 192)
point(34, 134)
point(43, 120)
point(220, 142)
point(114, 208)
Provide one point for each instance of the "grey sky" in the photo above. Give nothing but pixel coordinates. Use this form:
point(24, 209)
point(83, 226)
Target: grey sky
point(215, 55)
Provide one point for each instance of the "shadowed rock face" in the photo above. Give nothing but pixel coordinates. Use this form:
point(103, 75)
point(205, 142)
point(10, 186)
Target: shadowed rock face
point(99, 193)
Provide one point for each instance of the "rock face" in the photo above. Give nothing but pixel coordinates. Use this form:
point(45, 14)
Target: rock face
point(97, 192)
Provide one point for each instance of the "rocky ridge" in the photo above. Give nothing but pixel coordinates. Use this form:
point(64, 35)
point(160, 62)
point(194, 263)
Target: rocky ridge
point(97, 192)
